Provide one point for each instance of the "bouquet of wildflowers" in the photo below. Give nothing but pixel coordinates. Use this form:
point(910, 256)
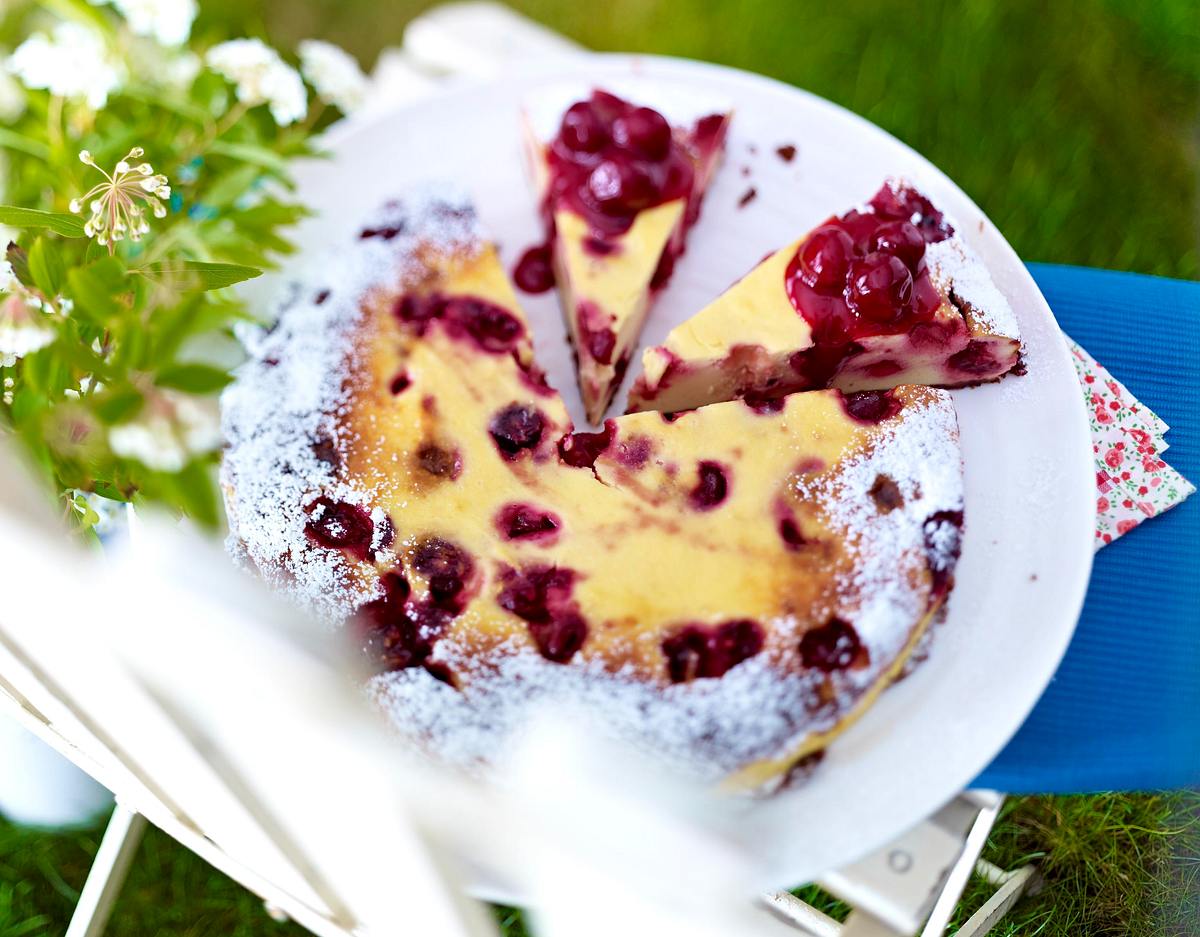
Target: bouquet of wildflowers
point(143, 172)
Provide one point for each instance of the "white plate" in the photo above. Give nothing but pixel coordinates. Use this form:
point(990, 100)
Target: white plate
point(1029, 508)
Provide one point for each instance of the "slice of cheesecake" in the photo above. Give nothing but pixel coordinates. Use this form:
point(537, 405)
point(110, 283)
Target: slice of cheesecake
point(619, 185)
point(883, 295)
point(727, 588)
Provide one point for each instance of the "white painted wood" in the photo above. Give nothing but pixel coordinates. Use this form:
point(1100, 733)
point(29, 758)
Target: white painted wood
point(807, 918)
point(1018, 883)
point(117, 849)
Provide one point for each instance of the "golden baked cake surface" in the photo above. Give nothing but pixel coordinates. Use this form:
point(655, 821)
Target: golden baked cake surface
point(726, 588)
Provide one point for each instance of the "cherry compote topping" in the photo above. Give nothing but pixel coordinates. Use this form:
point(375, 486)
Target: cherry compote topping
point(695, 651)
point(612, 159)
point(864, 274)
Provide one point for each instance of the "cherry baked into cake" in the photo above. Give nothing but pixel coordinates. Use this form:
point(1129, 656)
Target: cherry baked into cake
point(885, 294)
point(726, 588)
point(619, 184)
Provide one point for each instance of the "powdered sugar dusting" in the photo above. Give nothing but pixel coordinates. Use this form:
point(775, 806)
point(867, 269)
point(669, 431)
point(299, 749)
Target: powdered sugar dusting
point(919, 453)
point(708, 728)
point(705, 729)
point(954, 266)
point(280, 417)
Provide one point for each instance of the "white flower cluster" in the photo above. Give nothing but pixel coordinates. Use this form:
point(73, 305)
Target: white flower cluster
point(261, 77)
point(334, 74)
point(168, 21)
point(172, 430)
point(118, 204)
point(71, 62)
point(22, 328)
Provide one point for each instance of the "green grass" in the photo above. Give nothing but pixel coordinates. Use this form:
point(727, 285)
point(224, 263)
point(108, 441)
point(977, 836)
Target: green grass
point(1115, 865)
point(1073, 124)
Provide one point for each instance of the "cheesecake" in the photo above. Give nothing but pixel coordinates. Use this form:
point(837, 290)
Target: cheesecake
point(619, 184)
point(888, 293)
point(725, 589)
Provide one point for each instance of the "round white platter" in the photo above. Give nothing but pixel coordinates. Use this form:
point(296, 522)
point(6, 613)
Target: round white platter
point(1029, 502)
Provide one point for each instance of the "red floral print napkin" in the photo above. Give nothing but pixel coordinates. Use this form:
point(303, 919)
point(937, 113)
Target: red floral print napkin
point(1133, 482)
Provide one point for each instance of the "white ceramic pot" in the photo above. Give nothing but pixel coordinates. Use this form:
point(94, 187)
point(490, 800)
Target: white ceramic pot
point(38, 787)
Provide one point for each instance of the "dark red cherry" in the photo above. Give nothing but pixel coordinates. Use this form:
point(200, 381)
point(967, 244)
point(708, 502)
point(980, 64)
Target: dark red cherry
point(540, 595)
point(338, 525)
point(879, 287)
point(695, 652)
point(762, 404)
point(732, 643)
point(943, 544)
point(526, 522)
point(825, 259)
point(685, 652)
point(439, 462)
point(644, 132)
point(789, 533)
point(619, 188)
point(535, 592)
point(902, 239)
point(886, 494)
point(390, 639)
point(833, 646)
point(495, 329)
point(559, 638)
point(400, 383)
point(712, 487)
point(515, 429)
point(446, 566)
point(582, 129)
point(580, 450)
point(419, 309)
point(872, 406)
point(534, 272)
point(976, 359)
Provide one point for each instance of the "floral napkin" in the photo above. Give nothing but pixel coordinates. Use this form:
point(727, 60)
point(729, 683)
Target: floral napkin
point(1133, 482)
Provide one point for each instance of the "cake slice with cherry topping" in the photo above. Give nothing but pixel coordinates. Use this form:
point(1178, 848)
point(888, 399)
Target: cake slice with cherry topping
point(619, 185)
point(883, 295)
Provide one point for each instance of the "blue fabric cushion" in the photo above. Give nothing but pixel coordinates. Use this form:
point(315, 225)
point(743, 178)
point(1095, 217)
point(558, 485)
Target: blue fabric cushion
point(1123, 711)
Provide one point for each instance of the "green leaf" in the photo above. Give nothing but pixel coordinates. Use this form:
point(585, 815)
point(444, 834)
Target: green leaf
point(117, 406)
point(95, 288)
point(192, 490)
point(193, 378)
point(67, 226)
point(10, 140)
point(46, 268)
point(18, 259)
point(228, 187)
point(249, 153)
point(208, 276)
